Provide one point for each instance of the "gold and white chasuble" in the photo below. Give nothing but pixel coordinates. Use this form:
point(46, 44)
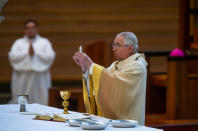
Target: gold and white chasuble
point(119, 91)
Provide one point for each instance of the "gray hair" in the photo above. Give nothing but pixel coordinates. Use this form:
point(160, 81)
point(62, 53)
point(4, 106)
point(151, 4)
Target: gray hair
point(130, 39)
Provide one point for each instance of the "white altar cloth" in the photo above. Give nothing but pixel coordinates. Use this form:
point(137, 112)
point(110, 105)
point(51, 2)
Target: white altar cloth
point(12, 120)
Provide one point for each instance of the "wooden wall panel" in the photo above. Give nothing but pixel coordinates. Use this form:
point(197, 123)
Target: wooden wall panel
point(69, 23)
point(181, 91)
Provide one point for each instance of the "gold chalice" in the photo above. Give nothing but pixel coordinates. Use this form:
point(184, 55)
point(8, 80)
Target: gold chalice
point(65, 96)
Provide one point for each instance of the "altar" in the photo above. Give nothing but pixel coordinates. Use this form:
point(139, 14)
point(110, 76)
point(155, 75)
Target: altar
point(13, 120)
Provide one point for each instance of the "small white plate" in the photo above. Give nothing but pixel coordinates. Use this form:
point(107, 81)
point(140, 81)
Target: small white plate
point(77, 122)
point(124, 123)
point(93, 125)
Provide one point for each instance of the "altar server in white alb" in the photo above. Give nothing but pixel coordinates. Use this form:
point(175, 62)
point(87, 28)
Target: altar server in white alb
point(31, 58)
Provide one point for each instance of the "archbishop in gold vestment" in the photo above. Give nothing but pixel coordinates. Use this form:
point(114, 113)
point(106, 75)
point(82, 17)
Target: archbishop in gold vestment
point(118, 92)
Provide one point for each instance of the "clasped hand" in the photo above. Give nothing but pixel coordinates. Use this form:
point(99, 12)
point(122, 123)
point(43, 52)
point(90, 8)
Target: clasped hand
point(31, 49)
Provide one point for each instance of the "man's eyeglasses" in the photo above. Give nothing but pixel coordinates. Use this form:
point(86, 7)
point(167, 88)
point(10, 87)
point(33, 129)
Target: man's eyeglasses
point(117, 45)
